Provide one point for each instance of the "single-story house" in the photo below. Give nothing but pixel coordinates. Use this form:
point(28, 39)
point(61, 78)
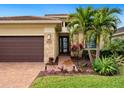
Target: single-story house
point(34, 38)
point(119, 33)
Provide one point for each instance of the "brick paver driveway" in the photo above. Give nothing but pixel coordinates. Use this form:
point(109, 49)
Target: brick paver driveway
point(18, 74)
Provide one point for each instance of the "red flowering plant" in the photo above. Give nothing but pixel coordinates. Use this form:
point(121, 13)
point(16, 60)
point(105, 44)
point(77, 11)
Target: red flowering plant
point(76, 48)
point(81, 46)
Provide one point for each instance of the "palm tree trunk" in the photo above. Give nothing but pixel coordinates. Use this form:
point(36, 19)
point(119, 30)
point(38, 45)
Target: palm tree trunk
point(90, 56)
point(110, 39)
point(89, 51)
point(97, 46)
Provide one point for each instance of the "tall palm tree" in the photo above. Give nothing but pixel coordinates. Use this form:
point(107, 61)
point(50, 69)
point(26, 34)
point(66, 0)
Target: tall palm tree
point(104, 21)
point(82, 17)
point(72, 28)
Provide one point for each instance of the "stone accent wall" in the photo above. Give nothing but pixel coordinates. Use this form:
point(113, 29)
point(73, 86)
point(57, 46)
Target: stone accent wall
point(49, 44)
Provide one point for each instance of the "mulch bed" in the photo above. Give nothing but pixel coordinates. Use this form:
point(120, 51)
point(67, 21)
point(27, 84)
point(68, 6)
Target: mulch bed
point(63, 74)
point(86, 69)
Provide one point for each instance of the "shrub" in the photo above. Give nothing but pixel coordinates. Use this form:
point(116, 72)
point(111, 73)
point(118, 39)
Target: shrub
point(119, 60)
point(108, 53)
point(116, 47)
point(105, 52)
point(76, 49)
point(105, 66)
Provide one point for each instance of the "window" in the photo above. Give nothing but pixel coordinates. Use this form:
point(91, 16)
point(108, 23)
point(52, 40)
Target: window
point(91, 43)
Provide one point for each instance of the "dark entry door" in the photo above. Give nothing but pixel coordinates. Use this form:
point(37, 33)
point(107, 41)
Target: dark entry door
point(63, 44)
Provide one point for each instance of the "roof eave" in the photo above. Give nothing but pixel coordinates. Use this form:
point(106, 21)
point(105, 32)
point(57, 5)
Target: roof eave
point(116, 34)
point(31, 21)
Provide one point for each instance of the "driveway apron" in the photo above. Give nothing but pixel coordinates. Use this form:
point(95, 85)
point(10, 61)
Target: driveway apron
point(18, 74)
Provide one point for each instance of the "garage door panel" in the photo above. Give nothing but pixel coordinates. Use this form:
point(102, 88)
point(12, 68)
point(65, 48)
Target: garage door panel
point(14, 38)
point(20, 42)
point(21, 53)
point(27, 44)
point(22, 49)
point(19, 59)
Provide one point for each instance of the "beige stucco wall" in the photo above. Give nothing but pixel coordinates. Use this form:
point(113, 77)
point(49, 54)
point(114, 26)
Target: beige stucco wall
point(75, 38)
point(50, 47)
point(21, 30)
point(78, 37)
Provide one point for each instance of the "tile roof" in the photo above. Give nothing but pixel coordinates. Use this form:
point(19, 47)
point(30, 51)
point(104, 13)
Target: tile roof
point(120, 30)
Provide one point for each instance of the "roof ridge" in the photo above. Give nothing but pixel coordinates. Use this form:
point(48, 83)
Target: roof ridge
point(56, 14)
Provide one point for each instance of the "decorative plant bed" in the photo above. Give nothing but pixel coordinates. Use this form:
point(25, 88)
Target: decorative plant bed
point(63, 74)
point(86, 71)
point(71, 66)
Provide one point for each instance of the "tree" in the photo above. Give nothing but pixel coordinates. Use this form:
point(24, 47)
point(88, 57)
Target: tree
point(82, 18)
point(104, 22)
point(95, 23)
point(72, 28)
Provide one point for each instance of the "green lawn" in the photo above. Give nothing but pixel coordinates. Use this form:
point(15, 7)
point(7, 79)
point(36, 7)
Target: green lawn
point(82, 81)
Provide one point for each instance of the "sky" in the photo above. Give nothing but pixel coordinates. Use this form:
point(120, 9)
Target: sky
point(42, 9)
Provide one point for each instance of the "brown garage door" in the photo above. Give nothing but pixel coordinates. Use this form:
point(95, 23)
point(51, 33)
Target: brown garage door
point(22, 49)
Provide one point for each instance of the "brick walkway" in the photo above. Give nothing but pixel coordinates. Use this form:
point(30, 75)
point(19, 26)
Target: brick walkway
point(66, 62)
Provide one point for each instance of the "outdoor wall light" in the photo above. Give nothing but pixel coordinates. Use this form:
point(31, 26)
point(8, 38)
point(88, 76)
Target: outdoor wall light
point(49, 36)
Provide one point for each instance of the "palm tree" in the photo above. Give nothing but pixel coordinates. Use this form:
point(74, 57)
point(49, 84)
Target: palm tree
point(105, 22)
point(72, 28)
point(82, 18)
point(95, 23)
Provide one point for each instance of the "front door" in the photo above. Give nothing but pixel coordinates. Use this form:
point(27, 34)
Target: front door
point(63, 44)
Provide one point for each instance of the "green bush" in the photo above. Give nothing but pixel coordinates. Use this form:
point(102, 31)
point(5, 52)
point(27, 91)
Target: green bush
point(105, 66)
point(119, 60)
point(104, 53)
point(116, 47)
point(108, 53)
